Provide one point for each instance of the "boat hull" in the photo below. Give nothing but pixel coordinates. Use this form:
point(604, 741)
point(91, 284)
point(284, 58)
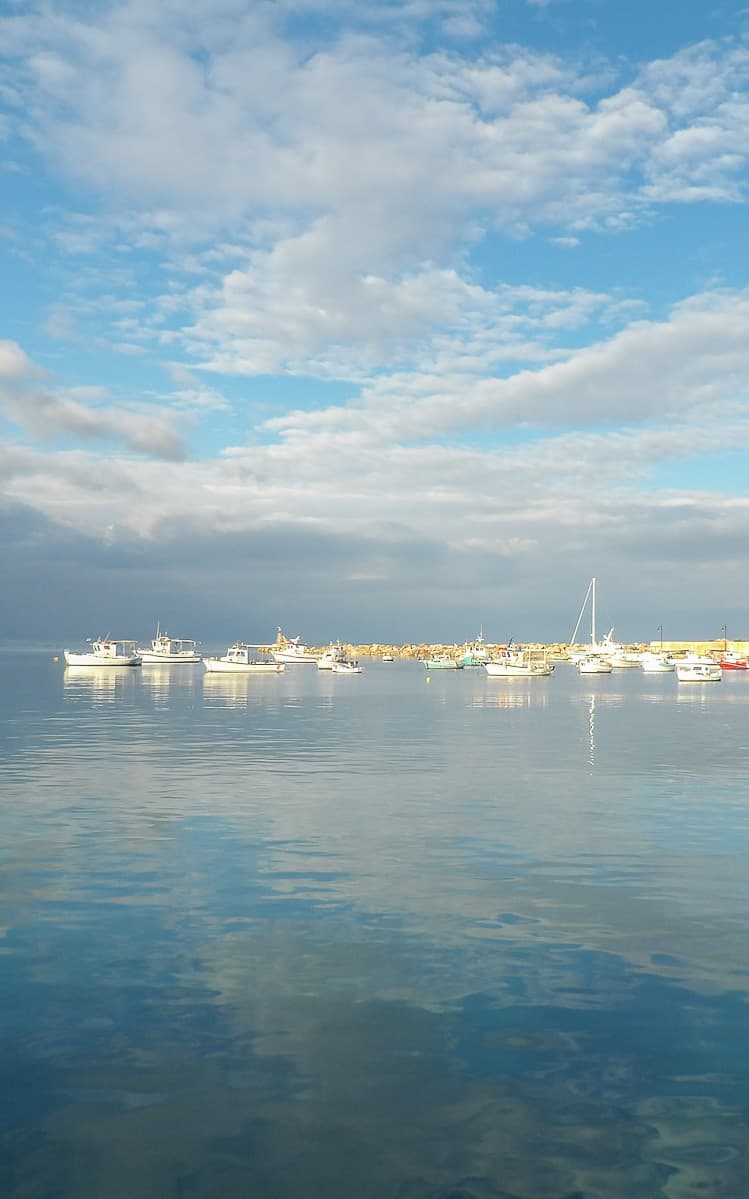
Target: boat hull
point(219, 666)
point(503, 670)
point(699, 673)
point(148, 655)
point(598, 666)
point(101, 660)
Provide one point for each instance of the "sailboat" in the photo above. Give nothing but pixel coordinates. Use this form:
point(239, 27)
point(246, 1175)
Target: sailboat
point(593, 659)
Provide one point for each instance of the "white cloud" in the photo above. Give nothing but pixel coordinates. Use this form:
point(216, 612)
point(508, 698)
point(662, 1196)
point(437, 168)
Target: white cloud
point(48, 414)
point(695, 361)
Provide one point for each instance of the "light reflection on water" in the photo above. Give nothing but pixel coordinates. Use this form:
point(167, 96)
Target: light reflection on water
point(281, 936)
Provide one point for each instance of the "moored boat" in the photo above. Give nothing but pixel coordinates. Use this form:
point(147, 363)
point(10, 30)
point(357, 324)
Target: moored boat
point(290, 649)
point(519, 663)
point(698, 669)
point(652, 663)
point(596, 656)
point(334, 653)
point(475, 653)
point(171, 650)
point(238, 659)
point(730, 660)
point(594, 664)
point(443, 662)
point(106, 652)
point(346, 666)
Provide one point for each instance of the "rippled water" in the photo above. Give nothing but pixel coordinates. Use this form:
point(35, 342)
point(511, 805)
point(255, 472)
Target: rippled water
point(383, 935)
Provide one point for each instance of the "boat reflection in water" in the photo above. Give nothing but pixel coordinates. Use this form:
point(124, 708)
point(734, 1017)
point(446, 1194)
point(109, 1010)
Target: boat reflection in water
point(232, 690)
point(522, 694)
point(103, 683)
point(241, 690)
point(161, 682)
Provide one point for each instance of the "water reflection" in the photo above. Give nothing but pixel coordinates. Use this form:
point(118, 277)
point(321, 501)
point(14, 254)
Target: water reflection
point(104, 684)
point(160, 681)
point(512, 693)
point(374, 941)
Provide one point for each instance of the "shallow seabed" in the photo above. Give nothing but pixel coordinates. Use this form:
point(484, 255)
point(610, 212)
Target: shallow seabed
point(394, 935)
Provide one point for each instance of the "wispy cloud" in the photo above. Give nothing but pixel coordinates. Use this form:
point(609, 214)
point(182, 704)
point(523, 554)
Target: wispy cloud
point(84, 414)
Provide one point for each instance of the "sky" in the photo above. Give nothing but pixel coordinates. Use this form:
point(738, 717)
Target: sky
point(385, 322)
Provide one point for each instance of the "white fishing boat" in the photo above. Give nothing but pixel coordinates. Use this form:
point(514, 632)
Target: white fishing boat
point(347, 666)
point(334, 653)
point(696, 668)
point(622, 659)
point(171, 650)
point(239, 659)
point(476, 652)
point(106, 652)
point(653, 663)
point(594, 664)
point(519, 663)
point(290, 649)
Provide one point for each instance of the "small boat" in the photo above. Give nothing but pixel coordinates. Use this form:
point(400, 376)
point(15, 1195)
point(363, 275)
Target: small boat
point(623, 659)
point(106, 652)
point(238, 660)
point(334, 653)
point(594, 664)
point(652, 663)
point(346, 666)
point(290, 649)
point(730, 660)
point(475, 653)
point(443, 662)
point(696, 669)
point(519, 663)
point(171, 650)
point(595, 657)
point(388, 658)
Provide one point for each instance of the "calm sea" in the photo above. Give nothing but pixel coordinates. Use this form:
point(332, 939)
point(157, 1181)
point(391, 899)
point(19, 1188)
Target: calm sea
point(378, 936)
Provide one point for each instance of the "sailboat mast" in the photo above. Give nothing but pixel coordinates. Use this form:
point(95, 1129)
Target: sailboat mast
point(593, 613)
point(577, 626)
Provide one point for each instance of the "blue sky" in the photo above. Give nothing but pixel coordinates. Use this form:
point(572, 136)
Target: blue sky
point(377, 322)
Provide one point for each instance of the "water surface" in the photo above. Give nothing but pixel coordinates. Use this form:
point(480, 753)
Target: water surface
point(428, 937)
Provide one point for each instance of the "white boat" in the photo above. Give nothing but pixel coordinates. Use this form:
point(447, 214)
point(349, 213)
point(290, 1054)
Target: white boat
point(696, 668)
point(171, 650)
point(594, 664)
point(346, 666)
point(106, 652)
point(622, 659)
point(443, 662)
point(475, 653)
point(238, 659)
point(388, 658)
point(334, 653)
point(290, 649)
point(652, 663)
point(593, 658)
point(519, 663)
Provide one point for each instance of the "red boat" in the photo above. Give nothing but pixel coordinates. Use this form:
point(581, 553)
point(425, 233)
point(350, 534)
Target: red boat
point(732, 661)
